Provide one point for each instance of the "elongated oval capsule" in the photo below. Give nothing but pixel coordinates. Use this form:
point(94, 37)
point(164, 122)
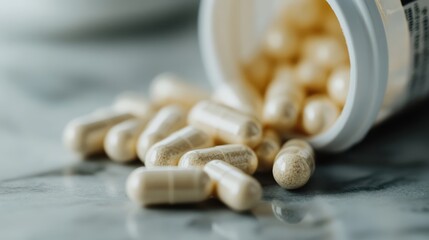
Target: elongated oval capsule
point(281, 42)
point(319, 114)
point(240, 96)
point(338, 85)
point(233, 187)
point(304, 15)
point(134, 103)
point(85, 135)
point(326, 51)
point(226, 124)
point(294, 165)
point(267, 150)
point(283, 101)
point(311, 75)
point(121, 140)
point(169, 151)
point(168, 185)
point(258, 71)
point(238, 155)
point(168, 120)
point(167, 89)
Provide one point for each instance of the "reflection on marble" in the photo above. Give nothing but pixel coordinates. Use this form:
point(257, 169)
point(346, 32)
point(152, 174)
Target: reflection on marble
point(377, 190)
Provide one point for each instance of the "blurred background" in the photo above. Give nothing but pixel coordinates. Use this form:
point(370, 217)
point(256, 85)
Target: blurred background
point(61, 58)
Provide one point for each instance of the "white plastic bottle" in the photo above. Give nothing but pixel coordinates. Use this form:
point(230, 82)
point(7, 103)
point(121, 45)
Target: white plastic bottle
point(387, 40)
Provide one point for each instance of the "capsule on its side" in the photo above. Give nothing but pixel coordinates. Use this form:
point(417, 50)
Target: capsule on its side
point(167, 89)
point(294, 165)
point(168, 120)
point(319, 114)
point(120, 142)
point(233, 187)
point(85, 135)
point(267, 150)
point(283, 101)
point(238, 155)
point(169, 151)
point(240, 96)
point(168, 185)
point(225, 124)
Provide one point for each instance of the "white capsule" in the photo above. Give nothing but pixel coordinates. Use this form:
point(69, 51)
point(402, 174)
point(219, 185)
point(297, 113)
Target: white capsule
point(85, 135)
point(301, 14)
point(338, 85)
point(238, 155)
point(225, 124)
point(169, 151)
point(311, 75)
point(168, 120)
point(240, 96)
point(319, 114)
point(134, 103)
point(267, 150)
point(168, 185)
point(258, 72)
point(167, 89)
point(120, 142)
point(294, 165)
point(235, 188)
point(326, 51)
point(283, 101)
point(281, 42)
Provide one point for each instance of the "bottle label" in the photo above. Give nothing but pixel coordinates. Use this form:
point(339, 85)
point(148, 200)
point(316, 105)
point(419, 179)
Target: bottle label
point(417, 14)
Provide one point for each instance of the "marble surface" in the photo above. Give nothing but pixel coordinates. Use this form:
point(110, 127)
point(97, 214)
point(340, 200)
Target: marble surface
point(377, 190)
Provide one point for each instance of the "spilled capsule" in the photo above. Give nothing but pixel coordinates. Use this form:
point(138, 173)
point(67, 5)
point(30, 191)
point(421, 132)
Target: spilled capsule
point(168, 120)
point(225, 124)
point(238, 155)
point(267, 150)
point(168, 185)
point(169, 151)
point(294, 164)
point(85, 135)
point(233, 187)
point(121, 140)
point(319, 114)
point(167, 89)
point(283, 101)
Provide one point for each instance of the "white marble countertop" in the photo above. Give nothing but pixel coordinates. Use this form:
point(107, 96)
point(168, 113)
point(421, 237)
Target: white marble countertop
point(377, 190)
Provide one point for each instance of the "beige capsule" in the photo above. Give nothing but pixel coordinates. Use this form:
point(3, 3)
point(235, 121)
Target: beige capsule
point(294, 165)
point(121, 140)
point(267, 150)
point(169, 119)
point(338, 84)
point(85, 135)
point(258, 71)
point(240, 96)
point(319, 114)
point(168, 151)
point(167, 89)
point(281, 42)
point(311, 75)
point(226, 124)
point(134, 103)
point(168, 185)
point(283, 100)
point(238, 155)
point(233, 187)
point(326, 51)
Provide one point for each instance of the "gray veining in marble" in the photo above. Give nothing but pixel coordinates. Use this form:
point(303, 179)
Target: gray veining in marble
point(377, 190)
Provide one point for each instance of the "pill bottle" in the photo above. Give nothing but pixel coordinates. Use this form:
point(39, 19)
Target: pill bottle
point(387, 41)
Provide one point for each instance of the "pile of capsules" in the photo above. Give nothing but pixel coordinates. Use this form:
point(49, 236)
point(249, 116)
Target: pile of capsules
point(196, 145)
